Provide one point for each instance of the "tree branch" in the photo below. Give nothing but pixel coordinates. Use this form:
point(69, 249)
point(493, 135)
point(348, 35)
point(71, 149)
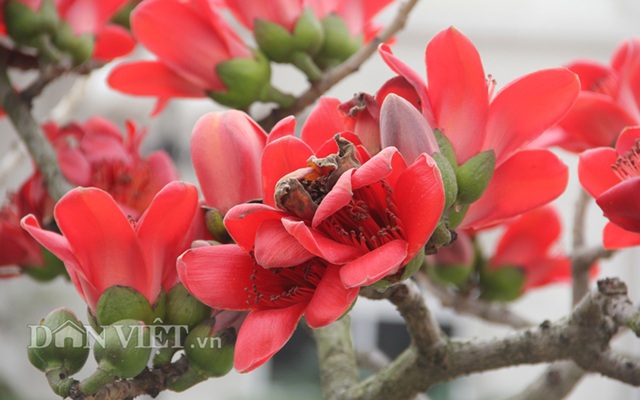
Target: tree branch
point(335, 75)
point(555, 383)
point(579, 271)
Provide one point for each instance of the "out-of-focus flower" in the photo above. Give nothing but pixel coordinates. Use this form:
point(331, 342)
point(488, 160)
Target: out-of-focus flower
point(201, 57)
point(227, 277)
point(612, 177)
point(457, 100)
point(103, 247)
point(608, 102)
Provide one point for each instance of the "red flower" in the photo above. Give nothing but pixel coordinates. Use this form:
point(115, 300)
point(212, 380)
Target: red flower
point(200, 40)
point(372, 219)
point(102, 247)
point(609, 101)
point(458, 101)
point(612, 177)
point(226, 277)
point(529, 244)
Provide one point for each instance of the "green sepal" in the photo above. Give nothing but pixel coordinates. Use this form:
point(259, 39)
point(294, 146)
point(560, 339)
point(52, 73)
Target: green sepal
point(123, 302)
point(24, 24)
point(338, 43)
point(474, 176)
point(457, 274)
point(211, 353)
point(405, 272)
point(456, 215)
point(126, 350)
point(449, 179)
point(440, 237)
point(51, 267)
point(446, 148)
point(79, 47)
point(59, 342)
point(502, 284)
point(246, 80)
point(184, 309)
point(214, 221)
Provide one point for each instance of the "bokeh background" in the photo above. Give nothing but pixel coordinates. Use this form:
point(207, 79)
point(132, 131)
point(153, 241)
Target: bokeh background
point(514, 37)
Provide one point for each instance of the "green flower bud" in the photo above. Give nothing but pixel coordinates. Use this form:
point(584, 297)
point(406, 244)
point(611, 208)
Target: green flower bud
point(123, 302)
point(214, 221)
point(441, 236)
point(184, 309)
point(474, 175)
point(124, 348)
point(502, 284)
point(338, 43)
point(24, 24)
point(79, 47)
point(59, 342)
point(448, 179)
point(446, 148)
point(247, 81)
point(455, 274)
point(279, 44)
point(208, 351)
point(456, 215)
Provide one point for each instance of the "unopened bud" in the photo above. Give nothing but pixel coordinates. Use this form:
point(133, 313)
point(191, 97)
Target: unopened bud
point(502, 284)
point(24, 24)
point(474, 175)
point(210, 352)
point(79, 47)
point(124, 348)
point(338, 43)
point(214, 221)
point(184, 309)
point(59, 342)
point(123, 302)
point(453, 264)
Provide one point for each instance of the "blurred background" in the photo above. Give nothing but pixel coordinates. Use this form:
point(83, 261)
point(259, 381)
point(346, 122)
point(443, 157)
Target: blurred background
point(514, 37)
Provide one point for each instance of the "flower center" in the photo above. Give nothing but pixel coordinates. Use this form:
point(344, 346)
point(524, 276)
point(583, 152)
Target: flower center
point(628, 165)
point(283, 287)
point(368, 221)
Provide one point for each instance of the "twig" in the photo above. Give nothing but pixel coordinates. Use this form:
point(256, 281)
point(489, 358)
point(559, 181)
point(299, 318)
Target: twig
point(556, 382)
point(372, 359)
point(338, 368)
point(40, 149)
point(335, 75)
point(580, 273)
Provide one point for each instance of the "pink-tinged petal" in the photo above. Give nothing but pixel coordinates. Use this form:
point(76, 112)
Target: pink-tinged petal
point(458, 91)
point(242, 222)
point(527, 180)
point(279, 12)
point(387, 164)
point(399, 85)
point(59, 246)
point(152, 78)
point(546, 271)
point(591, 74)
point(594, 120)
point(320, 245)
point(162, 167)
point(403, 127)
point(419, 198)
point(528, 238)
point(616, 238)
point(413, 78)
point(163, 230)
point(330, 300)
point(374, 265)
point(226, 148)
point(339, 196)
point(263, 333)
point(285, 127)
point(217, 275)
point(103, 241)
point(112, 41)
point(525, 108)
point(87, 16)
point(324, 121)
point(628, 139)
point(595, 172)
point(275, 247)
point(280, 158)
point(621, 204)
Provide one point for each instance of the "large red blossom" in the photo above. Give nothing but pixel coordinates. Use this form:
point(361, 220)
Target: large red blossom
point(227, 277)
point(101, 246)
point(608, 102)
point(457, 99)
point(612, 177)
point(200, 39)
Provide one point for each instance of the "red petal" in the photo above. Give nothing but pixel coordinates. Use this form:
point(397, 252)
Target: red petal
point(528, 239)
point(527, 180)
point(112, 41)
point(621, 204)
point(548, 270)
point(527, 107)
point(152, 78)
point(330, 300)
point(263, 333)
point(590, 73)
point(388, 164)
point(319, 244)
point(284, 127)
point(595, 172)
point(164, 228)
point(280, 158)
point(323, 123)
point(374, 265)
point(419, 197)
point(616, 238)
point(217, 275)
point(104, 242)
point(458, 91)
point(339, 196)
point(242, 222)
point(275, 247)
point(226, 148)
point(628, 139)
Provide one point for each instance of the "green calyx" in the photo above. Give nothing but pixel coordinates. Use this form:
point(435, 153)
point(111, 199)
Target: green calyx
point(214, 221)
point(210, 352)
point(184, 309)
point(474, 176)
point(123, 302)
point(449, 179)
point(124, 348)
point(502, 284)
point(51, 267)
point(338, 43)
point(405, 272)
